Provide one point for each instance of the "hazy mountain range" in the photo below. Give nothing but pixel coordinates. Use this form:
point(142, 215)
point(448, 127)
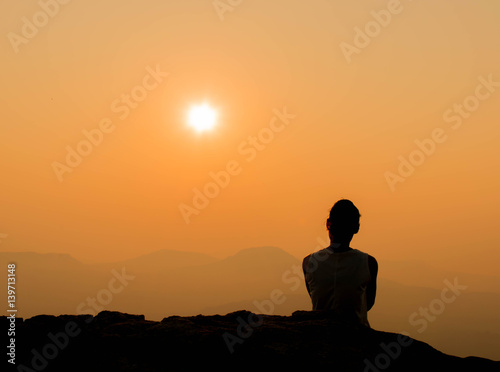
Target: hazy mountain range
point(459, 321)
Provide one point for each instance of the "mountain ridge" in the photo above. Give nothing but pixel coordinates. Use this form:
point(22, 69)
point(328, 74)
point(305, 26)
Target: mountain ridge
point(248, 277)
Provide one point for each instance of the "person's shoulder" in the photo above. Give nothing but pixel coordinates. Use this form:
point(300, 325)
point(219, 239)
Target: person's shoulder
point(370, 257)
point(372, 261)
point(319, 255)
point(319, 252)
point(373, 264)
point(305, 262)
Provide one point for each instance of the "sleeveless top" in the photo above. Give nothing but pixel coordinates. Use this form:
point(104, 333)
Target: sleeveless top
point(338, 282)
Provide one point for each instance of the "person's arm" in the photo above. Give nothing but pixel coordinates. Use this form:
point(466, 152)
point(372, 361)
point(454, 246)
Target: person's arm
point(371, 291)
point(304, 268)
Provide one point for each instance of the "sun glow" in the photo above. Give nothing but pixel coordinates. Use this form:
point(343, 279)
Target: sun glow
point(202, 117)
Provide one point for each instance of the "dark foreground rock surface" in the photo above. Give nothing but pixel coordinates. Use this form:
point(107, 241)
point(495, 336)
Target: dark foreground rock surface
point(114, 341)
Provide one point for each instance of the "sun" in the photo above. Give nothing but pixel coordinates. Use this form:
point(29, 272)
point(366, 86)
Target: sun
point(202, 117)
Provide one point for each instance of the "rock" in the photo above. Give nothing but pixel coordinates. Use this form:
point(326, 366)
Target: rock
point(242, 340)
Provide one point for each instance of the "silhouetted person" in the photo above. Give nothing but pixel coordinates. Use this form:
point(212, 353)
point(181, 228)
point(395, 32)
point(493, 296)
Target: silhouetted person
point(339, 278)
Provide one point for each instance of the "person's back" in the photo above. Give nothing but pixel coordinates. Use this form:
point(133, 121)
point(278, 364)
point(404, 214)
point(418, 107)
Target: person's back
point(339, 278)
point(338, 282)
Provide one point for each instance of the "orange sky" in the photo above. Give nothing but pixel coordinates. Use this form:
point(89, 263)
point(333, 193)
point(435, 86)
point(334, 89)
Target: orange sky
point(353, 121)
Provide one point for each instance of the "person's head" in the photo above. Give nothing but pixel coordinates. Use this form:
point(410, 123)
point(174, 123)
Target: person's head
point(343, 221)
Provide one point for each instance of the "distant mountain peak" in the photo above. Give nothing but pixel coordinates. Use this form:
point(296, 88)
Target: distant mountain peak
point(262, 253)
point(261, 249)
point(170, 258)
